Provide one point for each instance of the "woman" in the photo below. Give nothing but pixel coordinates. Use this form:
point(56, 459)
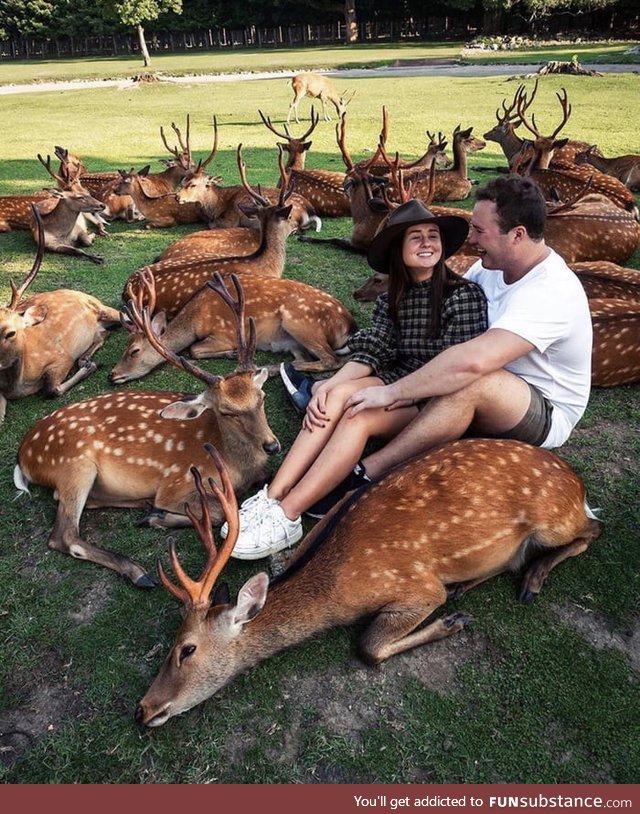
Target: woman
point(426, 309)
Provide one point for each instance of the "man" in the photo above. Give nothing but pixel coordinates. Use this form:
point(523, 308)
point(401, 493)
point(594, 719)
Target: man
point(528, 376)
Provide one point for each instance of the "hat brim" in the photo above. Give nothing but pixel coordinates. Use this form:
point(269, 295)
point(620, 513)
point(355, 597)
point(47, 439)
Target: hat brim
point(453, 231)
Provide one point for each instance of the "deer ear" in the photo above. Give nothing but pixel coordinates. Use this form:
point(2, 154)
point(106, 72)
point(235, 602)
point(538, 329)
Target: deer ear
point(47, 205)
point(560, 143)
point(34, 315)
point(184, 410)
point(251, 599)
point(148, 187)
point(221, 595)
point(250, 210)
point(145, 170)
point(306, 145)
point(261, 377)
point(159, 323)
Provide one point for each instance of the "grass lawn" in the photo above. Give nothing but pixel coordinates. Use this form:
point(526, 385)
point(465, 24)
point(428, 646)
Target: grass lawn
point(546, 693)
point(235, 60)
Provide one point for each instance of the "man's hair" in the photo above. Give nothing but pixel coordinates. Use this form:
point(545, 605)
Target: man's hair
point(519, 202)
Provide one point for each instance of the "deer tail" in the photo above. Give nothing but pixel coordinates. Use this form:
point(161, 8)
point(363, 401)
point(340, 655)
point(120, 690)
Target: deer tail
point(20, 481)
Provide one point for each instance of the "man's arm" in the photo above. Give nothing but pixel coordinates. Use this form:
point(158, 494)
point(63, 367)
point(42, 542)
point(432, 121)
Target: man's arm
point(456, 367)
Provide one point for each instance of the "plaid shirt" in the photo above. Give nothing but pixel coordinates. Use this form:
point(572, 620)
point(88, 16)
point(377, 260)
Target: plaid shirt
point(395, 352)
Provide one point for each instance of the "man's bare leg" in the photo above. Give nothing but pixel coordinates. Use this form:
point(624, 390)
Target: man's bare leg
point(493, 404)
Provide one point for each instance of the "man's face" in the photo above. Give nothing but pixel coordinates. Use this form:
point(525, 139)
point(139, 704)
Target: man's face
point(485, 236)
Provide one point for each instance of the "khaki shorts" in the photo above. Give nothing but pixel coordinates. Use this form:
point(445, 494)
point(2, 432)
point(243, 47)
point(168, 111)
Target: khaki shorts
point(536, 422)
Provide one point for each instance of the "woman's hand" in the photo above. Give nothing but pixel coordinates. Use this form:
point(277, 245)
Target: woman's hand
point(316, 415)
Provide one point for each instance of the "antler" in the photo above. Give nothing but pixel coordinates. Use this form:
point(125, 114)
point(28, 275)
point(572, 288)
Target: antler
point(47, 165)
point(563, 205)
point(195, 594)
point(16, 293)
point(202, 164)
point(566, 111)
point(139, 308)
point(340, 138)
point(183, 156)
point(266, 120)
point(242, 169)
point(246, 349)
point(286, 183)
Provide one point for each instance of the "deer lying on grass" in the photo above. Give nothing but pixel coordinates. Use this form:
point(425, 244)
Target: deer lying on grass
point(470, 510)
point(289, 316)
point(566, 179)
point(512, 145)
point(42, 337)
point(324, 189)
point(626, 168)
point(317, 87)
point(616, 346)
point(63, 217)
point(177, 281)
point(160, 211)
point(126, 449)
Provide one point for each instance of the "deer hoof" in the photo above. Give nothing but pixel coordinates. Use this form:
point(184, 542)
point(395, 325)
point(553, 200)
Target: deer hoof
point(457, 619)
point(527, 597)
point(99, 261)
point(145, 581)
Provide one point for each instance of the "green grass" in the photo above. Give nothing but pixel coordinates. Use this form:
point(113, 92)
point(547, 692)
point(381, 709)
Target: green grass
point(239, 60)
point(521, 696)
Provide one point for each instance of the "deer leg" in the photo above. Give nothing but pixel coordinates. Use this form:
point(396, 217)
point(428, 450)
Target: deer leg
point(393, 630)
point(212, 347)
point(65, 537)
point(338, 242)
point(55, 387)
point(3, 408)
point(325, 112)
point(77, 252)
point(164, 514)
point(541, 567)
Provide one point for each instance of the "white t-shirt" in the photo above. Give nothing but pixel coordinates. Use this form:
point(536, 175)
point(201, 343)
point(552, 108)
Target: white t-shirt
point(548, 307)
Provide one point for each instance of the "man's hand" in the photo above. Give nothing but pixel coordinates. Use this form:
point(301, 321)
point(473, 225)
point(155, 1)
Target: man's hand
point(371, 398)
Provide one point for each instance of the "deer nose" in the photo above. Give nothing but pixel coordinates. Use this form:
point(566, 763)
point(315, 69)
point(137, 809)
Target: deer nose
point(138, 714)
point(272, 447)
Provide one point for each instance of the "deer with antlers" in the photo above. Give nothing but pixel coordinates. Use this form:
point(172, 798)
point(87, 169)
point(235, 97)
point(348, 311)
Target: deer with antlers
point(517, 150)
point(466, 520)
point(176, 281)
point(317, 87)
point(565, 179)
point(42, 337)
point(324, 189)
point(288, 315)
point(126, 449)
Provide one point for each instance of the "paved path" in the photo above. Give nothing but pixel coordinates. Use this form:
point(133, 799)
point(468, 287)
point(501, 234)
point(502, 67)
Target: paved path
point(349, 73)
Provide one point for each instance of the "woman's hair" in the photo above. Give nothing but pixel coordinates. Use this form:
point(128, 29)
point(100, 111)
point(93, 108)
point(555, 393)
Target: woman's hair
point(443, 280)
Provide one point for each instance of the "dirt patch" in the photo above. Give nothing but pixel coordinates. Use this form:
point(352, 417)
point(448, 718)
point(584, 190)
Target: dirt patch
point(41, 714)
point(595, 629)
point(409, 63)
point(95, 600)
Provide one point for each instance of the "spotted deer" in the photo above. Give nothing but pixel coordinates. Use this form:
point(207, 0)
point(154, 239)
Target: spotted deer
point(317, 87)
point(566, 179)
point(514, 148)
point(177, 281)
point(324, 189)
point(626, 168)
point(616, 347)
point(130, 448)
point(42, 337)
point(288, 315)
point(471, 510)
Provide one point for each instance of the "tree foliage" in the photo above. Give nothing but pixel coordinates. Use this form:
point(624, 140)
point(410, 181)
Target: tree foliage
point(136, 12)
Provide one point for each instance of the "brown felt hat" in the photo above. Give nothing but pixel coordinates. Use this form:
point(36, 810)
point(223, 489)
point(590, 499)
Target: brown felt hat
point(453, 230)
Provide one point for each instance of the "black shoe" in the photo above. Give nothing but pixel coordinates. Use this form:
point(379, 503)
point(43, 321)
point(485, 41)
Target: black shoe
point(356, 478)
point(297, 385)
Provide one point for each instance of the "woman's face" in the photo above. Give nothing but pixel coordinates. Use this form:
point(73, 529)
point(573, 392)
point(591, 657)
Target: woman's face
point(421, 250)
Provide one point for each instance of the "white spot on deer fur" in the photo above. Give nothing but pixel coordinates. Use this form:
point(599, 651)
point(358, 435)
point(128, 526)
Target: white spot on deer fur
point(79, 444)
point(97, 444)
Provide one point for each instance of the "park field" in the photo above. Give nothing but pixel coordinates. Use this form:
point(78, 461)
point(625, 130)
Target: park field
point(539, 694)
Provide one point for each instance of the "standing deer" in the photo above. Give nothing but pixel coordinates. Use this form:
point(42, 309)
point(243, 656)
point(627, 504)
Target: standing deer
point(288, 315)
point(317, 87)
point(126, 449)
point(393, 553)
point(42, 337)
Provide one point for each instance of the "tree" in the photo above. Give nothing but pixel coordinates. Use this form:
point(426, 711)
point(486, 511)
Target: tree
point(136, 12)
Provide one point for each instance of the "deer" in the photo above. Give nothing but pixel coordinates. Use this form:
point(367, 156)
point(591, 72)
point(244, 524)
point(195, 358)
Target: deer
point(503, 132)
point(288, 315)
point(317, 87)
point(177, 281)
point(522, 506)
point(42, 337)
point(324, 189)
point(63, 214)
point(565, 179)
point(626, 168)
point(616, 347)
point(160, 211)
point(129, 448)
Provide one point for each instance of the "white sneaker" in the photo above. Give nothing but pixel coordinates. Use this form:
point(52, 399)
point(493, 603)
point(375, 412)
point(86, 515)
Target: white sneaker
point(250, 508)
point(267, 533)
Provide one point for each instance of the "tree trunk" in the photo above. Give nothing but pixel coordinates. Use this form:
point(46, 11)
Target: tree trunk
point(351, 21)
point(143, 46)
